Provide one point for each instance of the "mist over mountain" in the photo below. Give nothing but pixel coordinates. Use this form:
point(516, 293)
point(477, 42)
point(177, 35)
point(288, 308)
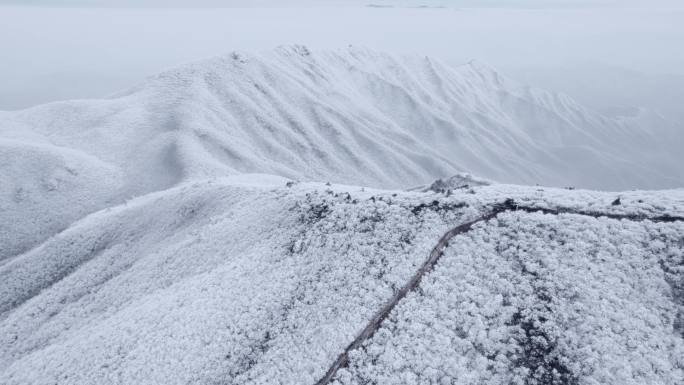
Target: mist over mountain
point(337, 3)
point(341, 216)
point(352, 116)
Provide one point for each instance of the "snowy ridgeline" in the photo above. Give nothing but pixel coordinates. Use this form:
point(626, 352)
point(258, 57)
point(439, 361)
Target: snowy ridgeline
point(154, 238)
point(351, 116)
point(230, 282)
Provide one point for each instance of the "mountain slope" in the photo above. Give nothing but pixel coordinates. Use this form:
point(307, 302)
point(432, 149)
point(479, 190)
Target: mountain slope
point(350, 116)
point(154, 237)
point(355, 116)
point(227, 282)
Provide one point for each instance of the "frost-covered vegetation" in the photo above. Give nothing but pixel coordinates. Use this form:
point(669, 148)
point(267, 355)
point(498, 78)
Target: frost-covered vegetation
point(352, 116)
point(227, 282)
point(160, 236)
point(540, 299)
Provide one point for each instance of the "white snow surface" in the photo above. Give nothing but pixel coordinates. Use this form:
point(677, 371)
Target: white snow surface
point(350, 116)
point(529, 294)
point(225, 282)
point(160, 237)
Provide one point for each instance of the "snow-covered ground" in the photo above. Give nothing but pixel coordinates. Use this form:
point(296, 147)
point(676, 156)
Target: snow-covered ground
point(541, 299)
point(182, 231)
point(351, 116)
point(226, 281)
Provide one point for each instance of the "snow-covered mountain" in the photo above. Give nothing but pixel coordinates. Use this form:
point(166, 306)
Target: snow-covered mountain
point(351, 116)
point(160, 236)
point(230, 282)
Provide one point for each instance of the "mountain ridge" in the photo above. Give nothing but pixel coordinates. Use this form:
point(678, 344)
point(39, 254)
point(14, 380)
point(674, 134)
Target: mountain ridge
point(352, 116)
point(460, 117)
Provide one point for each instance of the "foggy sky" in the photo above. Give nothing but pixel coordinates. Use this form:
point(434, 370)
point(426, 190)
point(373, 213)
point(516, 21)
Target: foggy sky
point(63, 53)
point(336, 3)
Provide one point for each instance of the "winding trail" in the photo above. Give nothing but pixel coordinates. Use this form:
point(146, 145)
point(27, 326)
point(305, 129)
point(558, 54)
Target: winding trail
point(437, 252)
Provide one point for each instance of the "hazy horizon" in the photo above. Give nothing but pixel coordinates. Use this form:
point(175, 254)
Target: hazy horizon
point(66, 53)
point(337, 3)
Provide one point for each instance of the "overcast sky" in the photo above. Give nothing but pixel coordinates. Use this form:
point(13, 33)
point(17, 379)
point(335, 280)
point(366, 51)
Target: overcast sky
point(63, 53)
point(290, 3)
